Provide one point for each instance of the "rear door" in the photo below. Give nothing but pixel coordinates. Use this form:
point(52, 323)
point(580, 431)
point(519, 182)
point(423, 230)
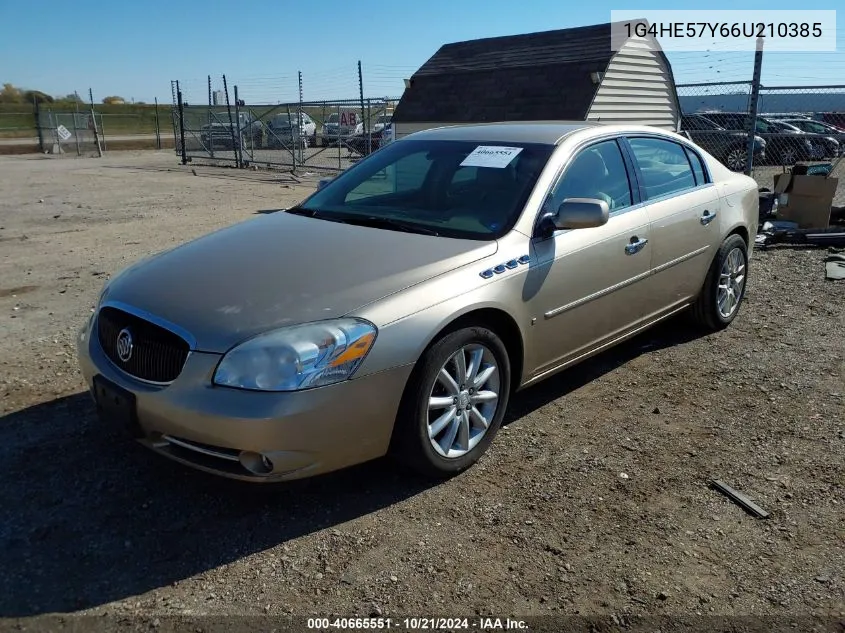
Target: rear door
point(682, 206)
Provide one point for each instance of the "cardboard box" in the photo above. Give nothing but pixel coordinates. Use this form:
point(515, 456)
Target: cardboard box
point(805, 199)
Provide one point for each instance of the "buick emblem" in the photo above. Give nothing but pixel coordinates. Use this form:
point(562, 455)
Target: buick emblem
point(124, 345)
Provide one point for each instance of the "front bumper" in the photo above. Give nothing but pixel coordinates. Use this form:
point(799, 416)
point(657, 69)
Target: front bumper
point(227, 431)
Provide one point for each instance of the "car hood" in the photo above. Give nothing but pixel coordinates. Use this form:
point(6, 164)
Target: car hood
point(282, 269)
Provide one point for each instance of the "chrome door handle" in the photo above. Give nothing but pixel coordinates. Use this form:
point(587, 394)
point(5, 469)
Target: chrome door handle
point(707, 217)
point(636, 245)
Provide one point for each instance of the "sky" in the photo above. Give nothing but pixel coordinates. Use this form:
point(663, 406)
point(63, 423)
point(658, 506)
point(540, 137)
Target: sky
point(135, 48)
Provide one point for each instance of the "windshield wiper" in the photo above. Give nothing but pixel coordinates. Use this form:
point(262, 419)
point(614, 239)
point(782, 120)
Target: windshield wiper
point(302, 211)
point(383, 223)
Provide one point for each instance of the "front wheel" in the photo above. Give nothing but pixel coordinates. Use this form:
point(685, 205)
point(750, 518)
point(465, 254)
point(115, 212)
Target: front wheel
point(788, 156)
point(736, 159)
point(724, 289)
point(454, 403)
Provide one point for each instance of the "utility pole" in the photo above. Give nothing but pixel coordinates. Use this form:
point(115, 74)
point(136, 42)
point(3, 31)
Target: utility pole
point(94, 123)
point(752, 110)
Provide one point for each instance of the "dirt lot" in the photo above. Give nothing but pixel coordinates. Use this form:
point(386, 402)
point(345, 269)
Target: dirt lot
point(545, 523)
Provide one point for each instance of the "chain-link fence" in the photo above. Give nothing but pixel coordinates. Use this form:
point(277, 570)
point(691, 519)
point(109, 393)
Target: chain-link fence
point(320, 135)
point(69, 132)
point(794, 125)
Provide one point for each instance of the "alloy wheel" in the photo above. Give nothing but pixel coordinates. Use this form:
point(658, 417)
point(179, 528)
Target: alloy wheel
point(736, 160)
point(731, 283)
point(463, 401)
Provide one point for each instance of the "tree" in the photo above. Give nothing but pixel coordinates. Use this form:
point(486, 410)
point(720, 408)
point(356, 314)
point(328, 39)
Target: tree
point(114, 100)
point(10, 94)
point(31, 96)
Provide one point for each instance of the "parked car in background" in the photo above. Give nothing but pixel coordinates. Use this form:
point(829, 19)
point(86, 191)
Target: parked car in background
point(818, 127)
point(341, 126)
point(446, 271)
point(382, 122)
point(823, 146)
point(290, 129)
point(782, 147)
point(730, 147)
point(219, 132)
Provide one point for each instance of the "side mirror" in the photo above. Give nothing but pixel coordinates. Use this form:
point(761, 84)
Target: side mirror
point(577, 213)
point(323, 182)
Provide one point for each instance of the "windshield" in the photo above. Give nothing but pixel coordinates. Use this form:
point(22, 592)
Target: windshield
point(384, 119)
point(472, 190)
point(333, 118)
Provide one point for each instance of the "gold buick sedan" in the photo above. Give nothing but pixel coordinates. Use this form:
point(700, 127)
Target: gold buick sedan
point(397, 308)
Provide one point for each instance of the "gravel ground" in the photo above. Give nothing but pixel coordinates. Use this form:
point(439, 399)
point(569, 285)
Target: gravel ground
point(592, 500)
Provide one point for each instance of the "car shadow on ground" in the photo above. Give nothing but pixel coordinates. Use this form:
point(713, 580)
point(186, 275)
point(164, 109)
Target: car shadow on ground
point(89, 517)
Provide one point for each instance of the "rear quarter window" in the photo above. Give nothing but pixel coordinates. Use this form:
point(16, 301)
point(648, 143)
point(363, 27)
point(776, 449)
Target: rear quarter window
point(697, 167)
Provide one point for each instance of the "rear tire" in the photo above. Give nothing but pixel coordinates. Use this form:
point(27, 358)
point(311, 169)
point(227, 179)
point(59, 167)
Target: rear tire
point(445, 423)
point(724, 288)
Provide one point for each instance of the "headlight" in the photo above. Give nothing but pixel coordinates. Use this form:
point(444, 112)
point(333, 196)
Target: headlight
point(298, 357)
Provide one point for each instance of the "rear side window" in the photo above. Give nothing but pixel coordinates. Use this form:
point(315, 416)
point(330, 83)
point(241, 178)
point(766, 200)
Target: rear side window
point(664, 166)
point(697, 167)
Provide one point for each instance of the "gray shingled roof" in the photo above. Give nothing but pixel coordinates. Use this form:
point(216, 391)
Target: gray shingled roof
point(530, 77)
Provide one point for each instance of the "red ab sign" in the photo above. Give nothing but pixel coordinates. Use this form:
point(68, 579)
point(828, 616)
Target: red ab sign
point(348, 119)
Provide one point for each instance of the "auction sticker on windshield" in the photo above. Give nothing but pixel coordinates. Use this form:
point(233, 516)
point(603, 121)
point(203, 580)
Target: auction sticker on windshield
point(491, 156)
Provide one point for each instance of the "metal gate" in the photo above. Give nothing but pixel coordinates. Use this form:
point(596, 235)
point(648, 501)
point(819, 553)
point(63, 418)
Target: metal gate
point(324, 135)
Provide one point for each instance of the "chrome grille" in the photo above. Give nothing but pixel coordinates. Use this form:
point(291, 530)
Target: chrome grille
point(158, 354)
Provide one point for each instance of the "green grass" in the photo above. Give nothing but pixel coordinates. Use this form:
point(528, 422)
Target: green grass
point(18, 120)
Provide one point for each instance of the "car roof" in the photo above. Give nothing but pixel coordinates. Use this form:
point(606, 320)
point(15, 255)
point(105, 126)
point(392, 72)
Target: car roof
point(548, 132)
point(543, 132)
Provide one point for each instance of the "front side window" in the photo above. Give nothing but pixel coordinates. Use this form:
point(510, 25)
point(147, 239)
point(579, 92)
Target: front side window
point(597, 172)
point(465, 189)
point(664, 166)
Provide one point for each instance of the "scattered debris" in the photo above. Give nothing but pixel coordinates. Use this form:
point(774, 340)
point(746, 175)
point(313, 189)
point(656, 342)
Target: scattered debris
point(740, 499)
point(624, 476)
point(834, 266)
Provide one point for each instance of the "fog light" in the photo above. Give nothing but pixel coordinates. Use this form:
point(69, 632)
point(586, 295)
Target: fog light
point(256, 463)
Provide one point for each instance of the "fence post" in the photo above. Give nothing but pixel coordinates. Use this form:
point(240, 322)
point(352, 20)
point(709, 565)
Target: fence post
point(299, 124)
point(76, 129)
point(181, 124)
point(158, 128)
point(231, 123)
point(38, 125)
point(369, 123)
point(55, 126)
point(174, 88)
point(239, 152)
point(752, 114)
point(364, 121)
point(94, 123)
point(292, 140)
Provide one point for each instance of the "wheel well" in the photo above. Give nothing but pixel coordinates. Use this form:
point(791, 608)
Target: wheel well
point(743, 233)
point(503, 325)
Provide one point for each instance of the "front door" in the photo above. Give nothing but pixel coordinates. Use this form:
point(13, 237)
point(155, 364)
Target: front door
point(584, 288)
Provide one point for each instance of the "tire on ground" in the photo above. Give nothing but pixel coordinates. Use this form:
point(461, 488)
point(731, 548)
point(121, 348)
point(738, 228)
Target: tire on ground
point(410, 444)
point(705, 311)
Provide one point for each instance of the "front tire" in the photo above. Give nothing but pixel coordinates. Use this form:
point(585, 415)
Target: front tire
point(724, 288)
point(454, 403)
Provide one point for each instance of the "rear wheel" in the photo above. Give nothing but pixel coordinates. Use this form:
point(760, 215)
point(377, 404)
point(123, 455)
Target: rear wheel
point(724, 289)
point(454, 403)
